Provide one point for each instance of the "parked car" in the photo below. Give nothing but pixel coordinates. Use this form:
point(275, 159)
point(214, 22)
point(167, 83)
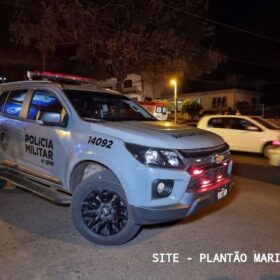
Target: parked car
point(116, 164)
point(243, 133)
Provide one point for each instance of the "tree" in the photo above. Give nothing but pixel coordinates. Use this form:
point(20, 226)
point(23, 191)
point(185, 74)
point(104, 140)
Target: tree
point(44, 37)
point(192, 107)
point(168, 104)
point(131, 36)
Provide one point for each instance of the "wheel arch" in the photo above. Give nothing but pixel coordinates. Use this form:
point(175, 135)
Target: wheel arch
point(267, 143)
point(86, 168)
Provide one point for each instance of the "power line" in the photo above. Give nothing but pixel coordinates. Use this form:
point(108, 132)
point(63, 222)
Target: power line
point(221, 23)
point(230, 83)
point(245, 60)
point(256, 24)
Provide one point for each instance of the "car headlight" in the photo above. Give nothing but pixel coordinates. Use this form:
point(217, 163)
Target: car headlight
point(156, 156)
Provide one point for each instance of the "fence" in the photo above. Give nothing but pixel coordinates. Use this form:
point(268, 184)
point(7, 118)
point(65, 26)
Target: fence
point(260, 110)
point(249, 110)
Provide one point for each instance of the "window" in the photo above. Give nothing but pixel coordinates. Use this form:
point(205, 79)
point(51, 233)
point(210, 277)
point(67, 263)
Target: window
point(3, 98)
point(159, 109)
point(224, 101)
point(242, 124)
point(14, 103)
point(93, 106)
point(217, 123)
point(234, 123)
point(46, 102)
point(214, 102)
point(127, 84)
point(266, 123)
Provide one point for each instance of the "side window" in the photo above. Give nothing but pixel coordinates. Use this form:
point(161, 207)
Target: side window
point(241, 124)
point(247, 125)
point(216, 123)
point(14, 103)
point(159, 109)
point(46, 107)
point(3, 98)
point(234, 123)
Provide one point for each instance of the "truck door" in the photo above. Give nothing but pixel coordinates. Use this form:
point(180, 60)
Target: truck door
point(11, 104)
point(244, 134)
point(45, 138)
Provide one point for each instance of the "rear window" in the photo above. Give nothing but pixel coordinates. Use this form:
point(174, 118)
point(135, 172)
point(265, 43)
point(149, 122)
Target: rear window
point(14, 103)
point(265, 123)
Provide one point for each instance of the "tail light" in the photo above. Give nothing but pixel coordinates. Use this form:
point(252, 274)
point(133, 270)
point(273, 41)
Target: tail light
point(276, 143)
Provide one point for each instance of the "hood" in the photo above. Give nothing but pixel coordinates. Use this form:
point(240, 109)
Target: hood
point(159, 134)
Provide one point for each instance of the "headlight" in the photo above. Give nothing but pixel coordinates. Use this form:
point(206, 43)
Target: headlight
point(156, 156)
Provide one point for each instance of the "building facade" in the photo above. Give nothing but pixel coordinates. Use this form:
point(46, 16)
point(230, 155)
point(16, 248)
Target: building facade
point(222, 99)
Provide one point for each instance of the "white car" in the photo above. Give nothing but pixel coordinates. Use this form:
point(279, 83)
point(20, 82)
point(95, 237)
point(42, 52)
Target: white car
point(243, 133)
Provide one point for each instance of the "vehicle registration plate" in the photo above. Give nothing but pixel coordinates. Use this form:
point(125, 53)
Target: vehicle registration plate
point(222, 193)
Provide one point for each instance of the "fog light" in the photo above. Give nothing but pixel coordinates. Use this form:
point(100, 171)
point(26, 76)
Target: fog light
point(162, 188)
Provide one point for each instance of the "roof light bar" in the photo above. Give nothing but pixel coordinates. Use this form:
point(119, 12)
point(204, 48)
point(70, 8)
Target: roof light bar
point(58, 77)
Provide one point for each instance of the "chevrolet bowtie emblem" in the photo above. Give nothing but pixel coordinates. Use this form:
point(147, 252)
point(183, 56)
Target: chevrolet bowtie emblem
point(219, 158)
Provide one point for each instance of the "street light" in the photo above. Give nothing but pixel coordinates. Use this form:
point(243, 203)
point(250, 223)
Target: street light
point(174, 83)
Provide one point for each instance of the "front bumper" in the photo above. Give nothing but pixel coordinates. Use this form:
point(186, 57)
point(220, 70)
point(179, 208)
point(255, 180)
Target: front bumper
point(161, 214)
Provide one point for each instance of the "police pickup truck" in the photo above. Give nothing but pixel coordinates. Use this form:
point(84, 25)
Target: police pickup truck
point(116, 164)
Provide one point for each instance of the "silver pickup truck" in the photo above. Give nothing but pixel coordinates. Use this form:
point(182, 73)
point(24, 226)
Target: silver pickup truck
point(101, 152)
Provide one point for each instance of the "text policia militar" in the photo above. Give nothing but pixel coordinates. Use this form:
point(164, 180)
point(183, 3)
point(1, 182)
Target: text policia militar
point(235, 257)
point(39, 146)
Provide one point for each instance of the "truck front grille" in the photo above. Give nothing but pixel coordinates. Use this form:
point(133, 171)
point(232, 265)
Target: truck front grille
point(210, 176)
point(209, 168)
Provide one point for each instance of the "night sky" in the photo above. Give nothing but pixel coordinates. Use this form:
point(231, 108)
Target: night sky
point(252, 61)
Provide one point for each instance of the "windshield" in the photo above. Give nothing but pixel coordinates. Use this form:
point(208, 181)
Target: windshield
point(93, 106)
point(265, 123)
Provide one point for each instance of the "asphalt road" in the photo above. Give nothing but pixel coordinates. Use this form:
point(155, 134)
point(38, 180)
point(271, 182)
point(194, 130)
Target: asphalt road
point(38, 240)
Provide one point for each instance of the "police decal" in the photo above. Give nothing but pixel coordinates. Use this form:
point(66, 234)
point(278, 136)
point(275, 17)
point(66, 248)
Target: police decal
point(41, 147)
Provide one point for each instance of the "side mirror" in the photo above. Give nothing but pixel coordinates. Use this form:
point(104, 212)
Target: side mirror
point(50, 118)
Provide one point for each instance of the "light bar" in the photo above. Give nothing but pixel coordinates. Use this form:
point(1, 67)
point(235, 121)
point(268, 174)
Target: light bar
point(59, 76)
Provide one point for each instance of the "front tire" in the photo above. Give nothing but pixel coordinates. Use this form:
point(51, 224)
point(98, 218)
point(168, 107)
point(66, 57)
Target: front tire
point(100, 210)
point(2, 183)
